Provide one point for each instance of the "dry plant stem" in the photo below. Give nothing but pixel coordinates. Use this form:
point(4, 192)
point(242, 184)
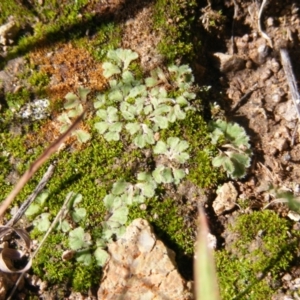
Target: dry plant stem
point(31, 198)
point(281, 200)
point(35, 166)
point(290, 78)
point(60, 213)
point(262, 33)
point(236, 9)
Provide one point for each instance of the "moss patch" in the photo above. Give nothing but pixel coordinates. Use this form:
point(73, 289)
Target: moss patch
point(261, 249)
point(175, 19)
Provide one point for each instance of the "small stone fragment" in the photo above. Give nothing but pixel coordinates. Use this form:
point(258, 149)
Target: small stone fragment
point(68, 254)
point(270, 21)
point(276, 98)
point(211, 241)
point(287, 277)
point(293, 216)
point(226, 199)
point(287, 111)
point(228, 63)
point(275, 66)
point(8, 32)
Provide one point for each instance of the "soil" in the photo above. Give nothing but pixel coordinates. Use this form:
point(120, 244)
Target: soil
point(247, 81)
point(252, 88)
point(254, 92)
point(258, 97)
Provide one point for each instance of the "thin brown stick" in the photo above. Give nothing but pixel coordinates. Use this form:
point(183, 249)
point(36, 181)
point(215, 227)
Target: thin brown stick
point(36, 165)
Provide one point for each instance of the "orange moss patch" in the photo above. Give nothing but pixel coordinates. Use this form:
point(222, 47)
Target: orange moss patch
point(69, 67)
point(50, 132)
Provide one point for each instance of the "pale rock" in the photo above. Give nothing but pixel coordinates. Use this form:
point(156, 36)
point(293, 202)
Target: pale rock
point(293, 216)
point(211, 241)
point(226, 199)
point(286, 110)
point(228, 63)
point(287, 277)
point(141, 267)
point(8, 32)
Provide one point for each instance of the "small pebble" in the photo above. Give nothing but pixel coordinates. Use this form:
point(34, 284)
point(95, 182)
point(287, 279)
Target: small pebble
point(143, 206)
point(293, 216)
point(286, 157)
point(297, 282)
point(249, 64)
point(275, 66)
point(211, 241)
point(245, 38)
point(270, 21)
point(263, 52)
point(276, 98)
point(297, 188)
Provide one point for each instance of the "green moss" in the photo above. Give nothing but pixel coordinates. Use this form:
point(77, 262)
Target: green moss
point(39, 80)
point(49, 264)
point(175, 20)
point(91, 172)
point(194, 130)
point(84, 277)
point(168, 224)
point(15, 158)
point(16, 100)
point(262, 248)
point(16, 9)
point(108, 37)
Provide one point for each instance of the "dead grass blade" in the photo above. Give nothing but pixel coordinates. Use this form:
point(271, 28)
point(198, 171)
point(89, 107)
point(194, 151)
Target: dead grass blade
point(36, 165)
point(206, 285)
point(290, 78)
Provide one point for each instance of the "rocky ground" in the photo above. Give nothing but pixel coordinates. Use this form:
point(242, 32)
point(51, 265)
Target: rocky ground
point(253, 91)
point(249, 86)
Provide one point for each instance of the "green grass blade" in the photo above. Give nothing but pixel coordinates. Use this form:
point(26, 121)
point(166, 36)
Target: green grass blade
point(206, 286)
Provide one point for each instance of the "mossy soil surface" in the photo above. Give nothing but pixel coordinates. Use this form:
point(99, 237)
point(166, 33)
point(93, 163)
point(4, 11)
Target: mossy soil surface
point(59, 47)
